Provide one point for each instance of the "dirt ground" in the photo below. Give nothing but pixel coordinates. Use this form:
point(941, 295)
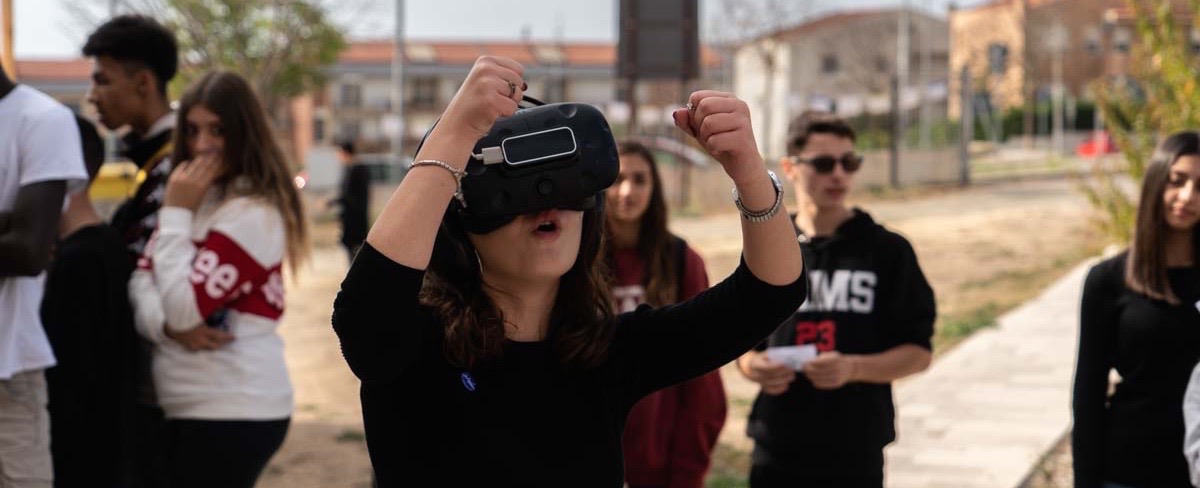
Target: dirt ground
point(984, 250)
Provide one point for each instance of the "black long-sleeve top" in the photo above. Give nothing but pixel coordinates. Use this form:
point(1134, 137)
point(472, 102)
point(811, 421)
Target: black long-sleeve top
point(1134, 437)
point(525, 420)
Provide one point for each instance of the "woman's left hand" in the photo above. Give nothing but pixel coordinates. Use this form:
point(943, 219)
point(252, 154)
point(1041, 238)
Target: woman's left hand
point(720, 122)
point(191, 180)
point(201, 338)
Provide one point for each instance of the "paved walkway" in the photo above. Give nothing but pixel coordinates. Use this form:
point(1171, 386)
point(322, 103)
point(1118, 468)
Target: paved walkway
point(987, 411)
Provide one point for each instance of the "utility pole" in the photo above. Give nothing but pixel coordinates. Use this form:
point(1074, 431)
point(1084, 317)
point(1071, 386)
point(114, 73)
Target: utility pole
point(398, 84)
point(1058, 43)
point(899, 82)
point(967, 125)
point(6, 37)
point(903, 52)
point(926, 114)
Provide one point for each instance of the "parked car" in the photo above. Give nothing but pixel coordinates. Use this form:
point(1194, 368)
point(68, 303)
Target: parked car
point(1099, 144)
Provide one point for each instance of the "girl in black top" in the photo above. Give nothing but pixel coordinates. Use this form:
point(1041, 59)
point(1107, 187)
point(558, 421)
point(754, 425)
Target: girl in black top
point(504, 365)
point(1139, 316)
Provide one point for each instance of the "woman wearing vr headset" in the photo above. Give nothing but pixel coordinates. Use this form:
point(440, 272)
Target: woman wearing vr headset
point(496, 358)
point(670, 434)
point(208, 290)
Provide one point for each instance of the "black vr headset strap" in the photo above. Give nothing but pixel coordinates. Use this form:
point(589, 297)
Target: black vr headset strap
point(532, 102)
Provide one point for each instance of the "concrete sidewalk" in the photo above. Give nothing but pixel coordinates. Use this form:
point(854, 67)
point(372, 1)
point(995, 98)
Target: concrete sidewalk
point(986, 412)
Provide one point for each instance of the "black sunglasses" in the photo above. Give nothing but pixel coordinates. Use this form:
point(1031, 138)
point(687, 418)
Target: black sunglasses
point(824, 164)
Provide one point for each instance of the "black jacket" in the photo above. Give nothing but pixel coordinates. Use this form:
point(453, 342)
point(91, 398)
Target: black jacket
point(354, 199)
point(867, 294)
point(137, 217)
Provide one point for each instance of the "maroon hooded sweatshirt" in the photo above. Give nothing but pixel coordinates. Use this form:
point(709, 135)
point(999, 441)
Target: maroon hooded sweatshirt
point(670, 435)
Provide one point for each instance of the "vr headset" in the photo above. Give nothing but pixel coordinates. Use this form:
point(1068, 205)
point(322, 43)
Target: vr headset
point(560, 156)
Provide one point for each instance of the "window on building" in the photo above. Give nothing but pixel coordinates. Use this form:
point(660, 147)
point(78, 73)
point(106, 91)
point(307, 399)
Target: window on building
point(349, 129)
point(882, 64)
point(829, 64)
point(997, 58)
point(423, 92)
point(351, 96)
point(318, 129)
point(1122, 40)
point(1091, 40)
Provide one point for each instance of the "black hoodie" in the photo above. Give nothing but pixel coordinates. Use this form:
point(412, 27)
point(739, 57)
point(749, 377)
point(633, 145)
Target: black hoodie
point(867, 295)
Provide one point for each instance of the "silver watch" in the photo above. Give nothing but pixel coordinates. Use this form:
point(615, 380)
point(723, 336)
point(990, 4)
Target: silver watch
point(764, 215)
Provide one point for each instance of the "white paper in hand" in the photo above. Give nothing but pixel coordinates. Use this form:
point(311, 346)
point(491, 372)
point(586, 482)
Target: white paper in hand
point(793, 356)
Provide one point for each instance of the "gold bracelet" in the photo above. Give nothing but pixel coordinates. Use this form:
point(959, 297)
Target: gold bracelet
point(458, 176)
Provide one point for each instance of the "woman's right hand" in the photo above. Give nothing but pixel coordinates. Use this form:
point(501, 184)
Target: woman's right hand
point(407, 227)
point(492, 90)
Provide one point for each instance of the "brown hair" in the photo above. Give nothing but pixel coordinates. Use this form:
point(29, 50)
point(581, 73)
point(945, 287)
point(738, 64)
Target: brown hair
point(815, 122)
point(1146, 266)
point(581, 322)
point(654, 244)
point(251, 151)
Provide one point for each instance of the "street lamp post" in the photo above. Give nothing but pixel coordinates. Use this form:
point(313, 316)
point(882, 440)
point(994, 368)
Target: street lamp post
point(6, 31)
point(398, 84)
point(1057, 42)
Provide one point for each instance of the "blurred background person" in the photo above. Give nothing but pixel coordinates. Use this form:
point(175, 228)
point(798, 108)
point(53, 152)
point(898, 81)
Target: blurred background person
point(212, 275)
point(133, 59)
point(89, 322)
point(354, 198)
point(670, 434)
point(869, 316)
point(40, 164)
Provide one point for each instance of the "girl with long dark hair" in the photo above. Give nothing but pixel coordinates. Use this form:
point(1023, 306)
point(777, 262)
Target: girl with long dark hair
point(496, 358)
point(1139, 317)
point(670, 434)
point(208, 290)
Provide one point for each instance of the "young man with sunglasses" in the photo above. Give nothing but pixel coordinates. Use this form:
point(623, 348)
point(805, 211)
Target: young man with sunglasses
point(869, 319)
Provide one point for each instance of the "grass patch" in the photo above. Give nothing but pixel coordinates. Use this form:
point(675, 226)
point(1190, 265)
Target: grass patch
point(979, 303)
point(739, 402)
point(726, 481)
point(352, 435)
point(730, 468)
point(955, 328)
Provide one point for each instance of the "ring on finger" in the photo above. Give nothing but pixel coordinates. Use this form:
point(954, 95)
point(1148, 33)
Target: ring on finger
point(512, 89)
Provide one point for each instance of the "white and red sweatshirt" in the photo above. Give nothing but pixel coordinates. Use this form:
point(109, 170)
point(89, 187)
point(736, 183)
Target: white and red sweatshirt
point(226, 256)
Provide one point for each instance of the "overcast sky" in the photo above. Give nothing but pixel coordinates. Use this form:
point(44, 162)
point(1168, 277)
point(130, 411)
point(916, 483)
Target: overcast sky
point(45, 29)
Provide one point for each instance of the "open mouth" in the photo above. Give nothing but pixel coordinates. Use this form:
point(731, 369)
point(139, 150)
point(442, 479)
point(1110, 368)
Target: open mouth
point(547, 224)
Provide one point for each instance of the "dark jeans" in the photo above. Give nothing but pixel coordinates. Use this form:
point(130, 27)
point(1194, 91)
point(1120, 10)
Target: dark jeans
point(770, 477)
point(146, 466)
point(769, 471)
point(225, 453)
